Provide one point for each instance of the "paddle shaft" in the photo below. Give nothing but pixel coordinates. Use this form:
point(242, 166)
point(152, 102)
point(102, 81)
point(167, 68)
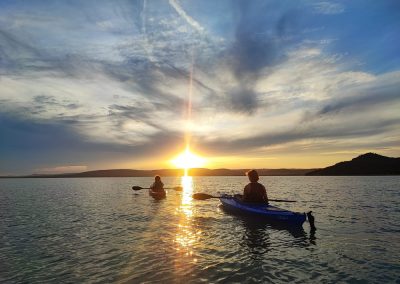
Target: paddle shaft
point(177, 188)
point(204, 196)
point(164, 188)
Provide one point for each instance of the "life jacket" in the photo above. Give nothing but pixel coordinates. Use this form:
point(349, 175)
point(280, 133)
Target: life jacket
point(254, 192)
point(157, 186)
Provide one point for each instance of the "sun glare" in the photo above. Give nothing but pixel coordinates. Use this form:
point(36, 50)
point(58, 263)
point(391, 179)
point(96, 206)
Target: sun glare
point(188, 160)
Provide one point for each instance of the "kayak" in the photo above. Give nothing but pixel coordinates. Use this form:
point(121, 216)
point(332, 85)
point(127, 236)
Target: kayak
point(263, 211)
point(157, 194)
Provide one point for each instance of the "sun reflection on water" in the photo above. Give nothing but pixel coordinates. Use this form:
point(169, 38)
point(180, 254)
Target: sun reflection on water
point(186, 205)
point(186, 235)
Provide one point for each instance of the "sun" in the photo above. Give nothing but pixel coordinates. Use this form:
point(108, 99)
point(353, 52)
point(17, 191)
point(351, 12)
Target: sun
point(188, 160)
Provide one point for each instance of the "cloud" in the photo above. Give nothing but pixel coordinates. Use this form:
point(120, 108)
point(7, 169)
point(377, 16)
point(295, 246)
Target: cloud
point(328, 8)
point(175, 4)
point(383, 90)
point(27, 144)
point(312, 136)
point(133, 101)
point(243, 100)
point(314, 100)
point(16, 54)
point(260, 44)
point(260, 41)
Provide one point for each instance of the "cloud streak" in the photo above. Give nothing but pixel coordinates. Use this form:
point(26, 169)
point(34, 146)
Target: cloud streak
point(328, 8)
point(194, 24)
point(369, 95)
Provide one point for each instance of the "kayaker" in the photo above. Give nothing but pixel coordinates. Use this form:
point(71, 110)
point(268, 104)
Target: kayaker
point(254, 192)
point(157, 184)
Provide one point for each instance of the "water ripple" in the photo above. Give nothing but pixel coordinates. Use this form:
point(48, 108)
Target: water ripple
point(99, 231)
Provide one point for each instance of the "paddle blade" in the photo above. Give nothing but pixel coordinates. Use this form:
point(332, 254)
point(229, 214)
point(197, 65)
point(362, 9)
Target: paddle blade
point(178, 188)
point(202, 196)
point(137, 187)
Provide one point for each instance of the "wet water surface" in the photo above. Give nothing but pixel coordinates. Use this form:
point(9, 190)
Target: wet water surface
point(98, 230)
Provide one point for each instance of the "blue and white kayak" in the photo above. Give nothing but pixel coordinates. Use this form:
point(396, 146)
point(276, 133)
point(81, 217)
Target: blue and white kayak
point(263, 211)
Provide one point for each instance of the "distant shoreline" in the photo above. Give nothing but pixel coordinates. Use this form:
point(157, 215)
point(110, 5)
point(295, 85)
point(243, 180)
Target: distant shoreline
point(369, 164)
point(168, 173)
point(74, 177)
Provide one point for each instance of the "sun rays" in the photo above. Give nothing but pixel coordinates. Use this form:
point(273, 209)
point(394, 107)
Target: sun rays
point(187, 160)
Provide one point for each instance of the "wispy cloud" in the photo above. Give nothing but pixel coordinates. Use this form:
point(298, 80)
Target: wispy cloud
point(328, 8)
point(181, 12)
point(381, 91)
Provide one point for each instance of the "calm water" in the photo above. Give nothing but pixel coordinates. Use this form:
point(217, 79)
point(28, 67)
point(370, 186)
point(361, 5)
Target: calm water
point(97, 230)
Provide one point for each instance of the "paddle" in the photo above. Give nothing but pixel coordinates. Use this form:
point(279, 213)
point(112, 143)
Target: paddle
point(177, 188)
point(205, 196)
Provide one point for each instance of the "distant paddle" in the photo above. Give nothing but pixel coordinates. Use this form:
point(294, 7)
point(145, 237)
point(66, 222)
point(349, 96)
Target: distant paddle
point(205, 196)
point(176, 188)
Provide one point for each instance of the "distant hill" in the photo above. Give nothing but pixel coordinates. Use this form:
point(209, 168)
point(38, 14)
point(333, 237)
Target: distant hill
point(366, 164)
point(241, 172)
point(170, 172)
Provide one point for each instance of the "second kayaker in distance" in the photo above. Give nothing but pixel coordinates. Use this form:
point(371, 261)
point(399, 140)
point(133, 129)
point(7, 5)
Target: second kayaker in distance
point(157, 185)
point(254, 192)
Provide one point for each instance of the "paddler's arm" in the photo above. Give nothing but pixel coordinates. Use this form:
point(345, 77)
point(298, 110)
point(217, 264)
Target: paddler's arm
point(265, 196)
point(245, 192)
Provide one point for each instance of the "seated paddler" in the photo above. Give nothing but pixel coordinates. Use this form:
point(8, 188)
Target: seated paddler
point(254, 192)
point(157, 185)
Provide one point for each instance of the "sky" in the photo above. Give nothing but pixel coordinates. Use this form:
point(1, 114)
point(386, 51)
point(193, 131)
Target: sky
point(88, 85)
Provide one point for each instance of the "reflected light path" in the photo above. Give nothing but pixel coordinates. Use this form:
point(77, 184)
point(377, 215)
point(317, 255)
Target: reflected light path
point(186, 235)
point(186, 205)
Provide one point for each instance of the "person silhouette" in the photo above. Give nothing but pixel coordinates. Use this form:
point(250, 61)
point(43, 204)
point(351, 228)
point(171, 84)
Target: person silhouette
point(157, 185)
point(254, 192)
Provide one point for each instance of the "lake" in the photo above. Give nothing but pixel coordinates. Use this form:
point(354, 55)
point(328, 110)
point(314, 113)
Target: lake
point(97, 230)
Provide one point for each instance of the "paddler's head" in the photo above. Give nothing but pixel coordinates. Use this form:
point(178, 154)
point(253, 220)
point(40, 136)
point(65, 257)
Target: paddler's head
point(252, 175)
point(157, 178)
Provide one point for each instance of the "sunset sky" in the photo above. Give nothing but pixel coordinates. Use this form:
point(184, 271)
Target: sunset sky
point(88, 85)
